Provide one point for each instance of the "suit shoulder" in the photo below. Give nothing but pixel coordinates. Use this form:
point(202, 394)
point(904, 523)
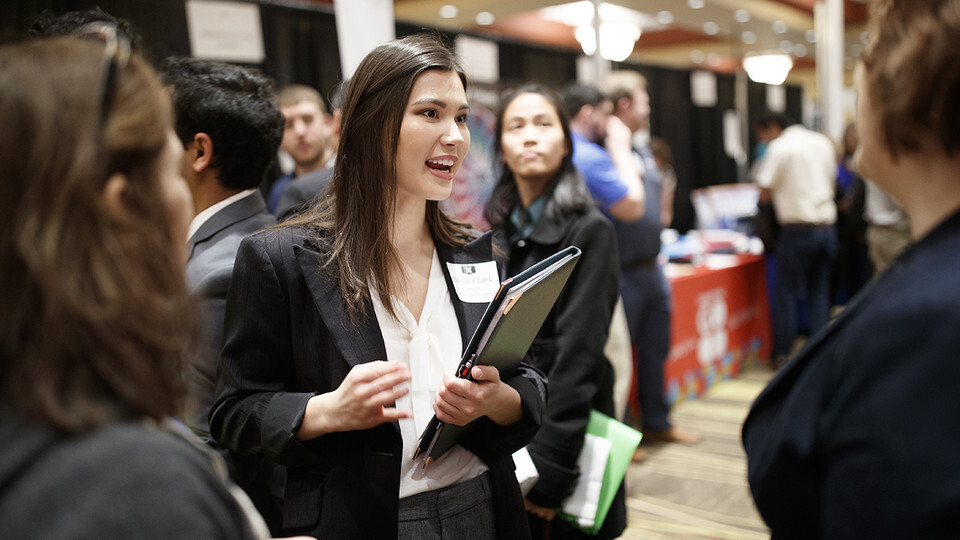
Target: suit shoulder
point(480, 247)
point(166, 487)
point(123, 459)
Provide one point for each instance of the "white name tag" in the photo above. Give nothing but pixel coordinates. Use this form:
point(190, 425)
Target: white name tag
point(476, 283)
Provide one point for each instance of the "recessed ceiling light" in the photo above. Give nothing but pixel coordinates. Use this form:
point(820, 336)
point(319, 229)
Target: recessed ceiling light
point(741, 15)
point(485, 18)
point(695, 4)
point(800, 50)
point(748, 37)
point(697, 56)
point(780, 27)
point(711, 28)
point(786, 46)
point(449, 11)
point(768, 67)
point(664, 17)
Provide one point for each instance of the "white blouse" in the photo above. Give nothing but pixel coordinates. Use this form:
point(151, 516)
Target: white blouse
point(429, 347)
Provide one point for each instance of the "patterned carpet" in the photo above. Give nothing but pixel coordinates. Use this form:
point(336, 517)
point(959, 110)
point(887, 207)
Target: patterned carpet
point(700, 491)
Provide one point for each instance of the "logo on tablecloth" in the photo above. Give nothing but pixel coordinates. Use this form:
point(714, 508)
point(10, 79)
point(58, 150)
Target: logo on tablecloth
point(712, 337)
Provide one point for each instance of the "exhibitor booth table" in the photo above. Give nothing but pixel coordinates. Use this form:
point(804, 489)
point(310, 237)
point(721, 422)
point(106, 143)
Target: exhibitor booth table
point(720, 322)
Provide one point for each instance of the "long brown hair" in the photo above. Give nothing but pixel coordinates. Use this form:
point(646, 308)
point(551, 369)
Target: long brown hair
point(358, 208)
point(95, 318)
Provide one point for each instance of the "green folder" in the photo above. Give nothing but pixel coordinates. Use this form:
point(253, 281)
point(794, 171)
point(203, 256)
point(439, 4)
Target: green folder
point(624, 441)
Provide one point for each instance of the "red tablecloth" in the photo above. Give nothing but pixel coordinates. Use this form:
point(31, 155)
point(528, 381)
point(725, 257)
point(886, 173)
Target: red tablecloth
point(720, 322)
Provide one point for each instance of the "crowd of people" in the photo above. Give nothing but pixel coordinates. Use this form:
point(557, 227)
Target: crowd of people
point(188, 352)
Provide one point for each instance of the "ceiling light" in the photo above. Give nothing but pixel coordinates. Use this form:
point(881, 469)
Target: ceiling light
point(786, 46)
point(767, 68)
point(587, 38)
point(695, 4)
point(748, 37)
point(711, 28)
point(484, 18)
point(800, 50)
point(620, 27)
point(780, 27)
point(449, 11)
point(697, 56)
point(581, 14)
point(664, 17)
point(617, 40)
point(741, 15)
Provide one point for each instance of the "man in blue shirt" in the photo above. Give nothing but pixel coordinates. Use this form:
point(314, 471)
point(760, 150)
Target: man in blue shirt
point(625, 184)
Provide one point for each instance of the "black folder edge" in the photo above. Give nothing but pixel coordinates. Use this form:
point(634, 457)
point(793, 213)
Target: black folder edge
point(562, 261)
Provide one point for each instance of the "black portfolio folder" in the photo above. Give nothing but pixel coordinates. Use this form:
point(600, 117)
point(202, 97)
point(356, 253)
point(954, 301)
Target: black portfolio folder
point(508, 327)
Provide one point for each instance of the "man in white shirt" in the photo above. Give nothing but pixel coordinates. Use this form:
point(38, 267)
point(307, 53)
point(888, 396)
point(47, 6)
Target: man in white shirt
point(798, 174)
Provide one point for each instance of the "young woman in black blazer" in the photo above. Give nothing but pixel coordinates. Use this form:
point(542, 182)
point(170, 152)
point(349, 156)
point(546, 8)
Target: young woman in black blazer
point(335, 352)
point(539, 206)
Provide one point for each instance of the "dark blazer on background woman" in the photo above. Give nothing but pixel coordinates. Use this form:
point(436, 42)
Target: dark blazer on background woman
point(569, 347)
point(346, 484)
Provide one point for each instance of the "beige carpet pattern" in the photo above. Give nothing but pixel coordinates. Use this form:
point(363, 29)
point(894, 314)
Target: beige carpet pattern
point(699, 491)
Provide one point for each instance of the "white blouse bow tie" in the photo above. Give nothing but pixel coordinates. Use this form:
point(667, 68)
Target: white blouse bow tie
point(426, 374)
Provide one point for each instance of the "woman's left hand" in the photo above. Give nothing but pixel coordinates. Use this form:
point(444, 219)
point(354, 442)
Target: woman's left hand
point(460, 401)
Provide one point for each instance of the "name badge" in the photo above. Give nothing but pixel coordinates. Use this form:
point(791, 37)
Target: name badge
point(475, 283)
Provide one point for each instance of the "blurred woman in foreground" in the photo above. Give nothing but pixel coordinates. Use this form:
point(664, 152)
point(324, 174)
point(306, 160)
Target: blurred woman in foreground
point(95, 321)
point(858, 436)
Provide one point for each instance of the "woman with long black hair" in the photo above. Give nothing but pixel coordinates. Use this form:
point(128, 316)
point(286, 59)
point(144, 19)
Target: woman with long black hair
point(539, 206)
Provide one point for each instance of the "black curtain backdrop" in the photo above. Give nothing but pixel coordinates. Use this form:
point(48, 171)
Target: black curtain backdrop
point(300, 43)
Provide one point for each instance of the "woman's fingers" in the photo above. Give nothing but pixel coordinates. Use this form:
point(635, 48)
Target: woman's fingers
point(371, 389)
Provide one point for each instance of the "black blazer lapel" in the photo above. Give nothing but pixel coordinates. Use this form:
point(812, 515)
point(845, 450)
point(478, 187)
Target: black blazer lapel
point(364, 343)
point(357, 344)
point(468, 314)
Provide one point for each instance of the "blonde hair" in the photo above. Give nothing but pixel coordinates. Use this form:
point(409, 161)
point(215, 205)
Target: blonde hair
point(296, 93)
point(618, 85)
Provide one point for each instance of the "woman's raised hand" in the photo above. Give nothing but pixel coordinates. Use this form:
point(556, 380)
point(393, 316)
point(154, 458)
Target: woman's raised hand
point(363, 400)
